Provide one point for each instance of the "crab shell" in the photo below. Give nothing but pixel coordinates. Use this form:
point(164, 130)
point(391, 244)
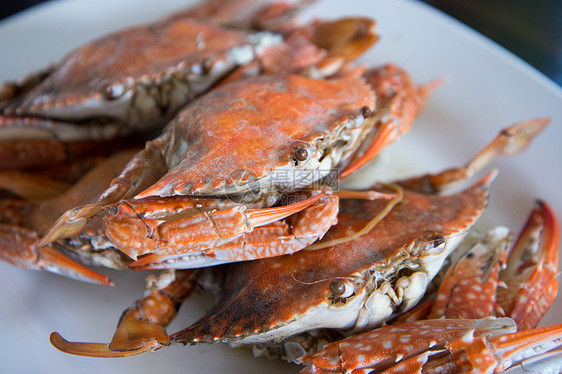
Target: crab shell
point(262, 134)
point(134, 79)
point(352, 286)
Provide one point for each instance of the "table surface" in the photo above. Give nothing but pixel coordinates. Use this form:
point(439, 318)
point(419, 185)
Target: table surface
point(530, 29)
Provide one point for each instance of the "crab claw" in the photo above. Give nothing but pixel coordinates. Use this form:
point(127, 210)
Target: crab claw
point(486, 345)
point(489, 355)
point(511, 141)
point(98, 349)
point(231, 240)
point(383, 348)
point(132, 337)
point(468, 289)
point(70, 223)
point(346, 37)
point(532, 269)
point(18, 247)
point(142, 328)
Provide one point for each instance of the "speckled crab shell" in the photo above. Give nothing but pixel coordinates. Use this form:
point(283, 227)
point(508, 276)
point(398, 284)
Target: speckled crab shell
point(247, 134)
point(267, 301)
point(138, 76)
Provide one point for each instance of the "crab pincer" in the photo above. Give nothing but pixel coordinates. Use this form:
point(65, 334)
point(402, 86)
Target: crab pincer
point(532, 269)
point(142, 328)
point(18, 247)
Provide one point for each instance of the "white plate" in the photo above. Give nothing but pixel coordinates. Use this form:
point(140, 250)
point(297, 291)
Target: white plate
point(487, 89)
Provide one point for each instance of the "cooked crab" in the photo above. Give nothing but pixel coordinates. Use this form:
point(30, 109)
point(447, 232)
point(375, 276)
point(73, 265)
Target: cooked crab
point(354, 285)
point(364, 276)
point(137, 79)
point(454, 332)
point(198, 194)
point(458, 330)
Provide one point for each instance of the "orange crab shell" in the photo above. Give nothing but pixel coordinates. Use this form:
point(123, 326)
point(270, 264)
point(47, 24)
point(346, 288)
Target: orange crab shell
point(102, 70)
point(255, 128)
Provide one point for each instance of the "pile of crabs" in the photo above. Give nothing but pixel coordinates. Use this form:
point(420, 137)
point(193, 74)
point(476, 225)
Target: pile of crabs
point(254, 120)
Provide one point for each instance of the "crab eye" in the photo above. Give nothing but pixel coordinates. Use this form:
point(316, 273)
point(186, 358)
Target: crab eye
point(341, 288)
point(301, 154)
point(112, 92)
point(366, 111)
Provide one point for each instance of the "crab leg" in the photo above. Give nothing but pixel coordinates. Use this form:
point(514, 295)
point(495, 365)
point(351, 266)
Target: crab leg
point(143, 169)
point(380, 349)
point(532, 269)
point(511, 141)
point(18, 247)
point(271, 239)
point(210, 237)
point(550, 362)
point(24, 221)
point(469, 288)
point(142, 328)
point(496, 354)
point(29, 186)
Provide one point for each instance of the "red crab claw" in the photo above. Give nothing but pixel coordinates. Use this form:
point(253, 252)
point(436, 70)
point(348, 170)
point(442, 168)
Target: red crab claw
point(532, 269)
point(70, 223)
point(18, 247)
point(484, 354)
point(408, 345)
point(260, 235)
point(445, 345)
point(468, 290)
point(142, 328)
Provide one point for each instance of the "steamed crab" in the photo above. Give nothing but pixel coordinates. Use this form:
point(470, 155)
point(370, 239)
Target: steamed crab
point(464, 328)
point(136, 79)
point(202, 193)
point(357, 281)
point(135, 317)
